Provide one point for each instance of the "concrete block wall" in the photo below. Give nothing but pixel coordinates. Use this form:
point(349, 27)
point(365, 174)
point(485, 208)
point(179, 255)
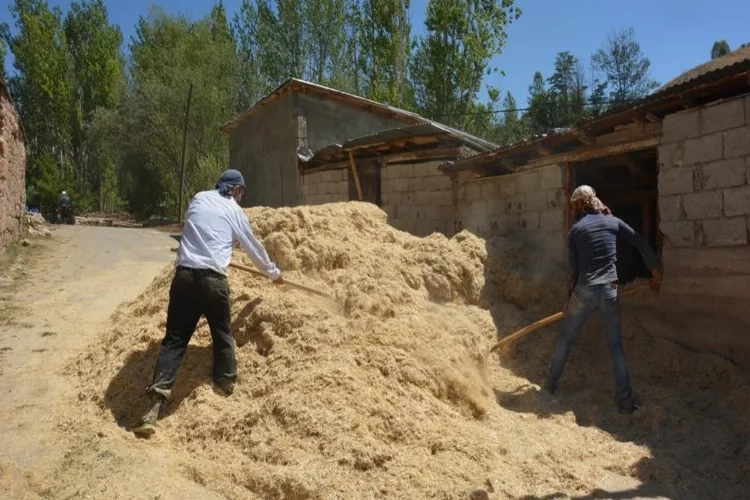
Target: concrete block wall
point(329, 186)
point(529, 205)
point(704, 169)
point(418, 198)
point(12, 172)
point(704, 209)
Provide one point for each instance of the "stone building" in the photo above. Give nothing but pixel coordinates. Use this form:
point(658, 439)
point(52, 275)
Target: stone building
point(12, 169)
point(309, 144)
point(675, 166)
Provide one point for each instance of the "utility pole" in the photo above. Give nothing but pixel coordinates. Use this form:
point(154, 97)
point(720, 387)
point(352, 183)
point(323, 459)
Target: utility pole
point(184, 147)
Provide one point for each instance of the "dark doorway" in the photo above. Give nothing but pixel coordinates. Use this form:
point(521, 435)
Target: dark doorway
point(628, 185)
point(369, 180)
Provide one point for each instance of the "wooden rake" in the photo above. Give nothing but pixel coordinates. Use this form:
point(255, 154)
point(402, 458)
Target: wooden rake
point(286, 281)
point(553, 318)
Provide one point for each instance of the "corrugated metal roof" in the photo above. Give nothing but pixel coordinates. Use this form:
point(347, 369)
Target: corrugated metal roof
point(419, 130)
point(728, 64)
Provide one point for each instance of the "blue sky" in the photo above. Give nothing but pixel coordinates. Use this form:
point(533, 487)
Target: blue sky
point(676, 35)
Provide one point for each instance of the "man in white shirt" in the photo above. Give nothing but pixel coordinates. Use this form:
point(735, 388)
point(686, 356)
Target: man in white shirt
point(214, 221)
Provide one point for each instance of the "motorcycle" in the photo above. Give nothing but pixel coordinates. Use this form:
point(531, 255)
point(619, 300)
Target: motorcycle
point(65, 214)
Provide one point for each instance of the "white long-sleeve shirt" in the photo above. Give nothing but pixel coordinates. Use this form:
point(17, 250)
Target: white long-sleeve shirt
point(212, 224)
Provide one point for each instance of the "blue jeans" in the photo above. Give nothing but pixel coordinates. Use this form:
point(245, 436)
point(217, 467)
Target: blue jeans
point(585, 300)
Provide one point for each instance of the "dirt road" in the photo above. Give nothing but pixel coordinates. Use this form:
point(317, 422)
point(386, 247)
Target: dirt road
point(57, 298)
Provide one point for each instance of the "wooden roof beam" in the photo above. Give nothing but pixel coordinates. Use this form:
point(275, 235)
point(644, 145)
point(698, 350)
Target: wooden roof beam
point(592, 152)
point(543, 151)
point(585, 137)
point(652, 118)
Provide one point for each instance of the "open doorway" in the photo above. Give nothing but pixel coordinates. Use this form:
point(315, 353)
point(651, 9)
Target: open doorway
point(628, 185)
point(369, 181)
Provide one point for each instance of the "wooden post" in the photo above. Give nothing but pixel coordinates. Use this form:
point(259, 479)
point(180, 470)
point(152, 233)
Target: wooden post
point(356, 175)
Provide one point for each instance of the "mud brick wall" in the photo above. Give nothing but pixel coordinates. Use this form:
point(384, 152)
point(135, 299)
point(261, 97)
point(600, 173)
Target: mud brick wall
point(704, 205)
point(330, 186)
point(418, 198)
point(12, 171)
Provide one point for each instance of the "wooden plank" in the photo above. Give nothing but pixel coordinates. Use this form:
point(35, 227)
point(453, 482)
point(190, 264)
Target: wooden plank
point(592, 152)
point(543, 151)
point(584, 137)
point(427, 154)
point(356, 175)
point(652, 118)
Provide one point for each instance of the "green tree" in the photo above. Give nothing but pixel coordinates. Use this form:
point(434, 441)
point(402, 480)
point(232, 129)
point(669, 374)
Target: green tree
point(454, 56)
point(386, 42)
point(720, 48)
point(3, 55)
point(326, 34)
point(624, 68)
point(97, 72)
point(513, 127)
point(538, 116)
point(168, 54)
point(41, 85)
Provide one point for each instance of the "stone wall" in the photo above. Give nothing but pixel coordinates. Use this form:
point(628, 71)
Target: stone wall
point(418, 198)
point(704, 205)
point(12, 170)
point(329, 186)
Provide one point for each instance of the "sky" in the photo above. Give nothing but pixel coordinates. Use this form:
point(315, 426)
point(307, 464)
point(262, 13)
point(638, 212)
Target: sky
point(675, 35)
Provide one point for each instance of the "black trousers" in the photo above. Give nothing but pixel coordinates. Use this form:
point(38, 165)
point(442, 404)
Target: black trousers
point(193, 293)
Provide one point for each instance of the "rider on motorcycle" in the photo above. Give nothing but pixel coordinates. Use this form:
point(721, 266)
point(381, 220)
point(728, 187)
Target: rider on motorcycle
point(65, 210)
point(64, 200)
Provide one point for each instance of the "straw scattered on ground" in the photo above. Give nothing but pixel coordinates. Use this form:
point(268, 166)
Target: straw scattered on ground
point(385, 391)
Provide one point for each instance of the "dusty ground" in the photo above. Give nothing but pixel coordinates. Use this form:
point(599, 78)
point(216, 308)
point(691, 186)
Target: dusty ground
point(55, 305)
point(57, 296)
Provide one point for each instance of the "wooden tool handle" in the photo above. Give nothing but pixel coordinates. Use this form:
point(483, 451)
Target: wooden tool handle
point(286, 281)
point(551, 319)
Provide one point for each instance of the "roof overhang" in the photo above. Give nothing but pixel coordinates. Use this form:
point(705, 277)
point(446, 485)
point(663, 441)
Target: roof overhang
point(644, 118)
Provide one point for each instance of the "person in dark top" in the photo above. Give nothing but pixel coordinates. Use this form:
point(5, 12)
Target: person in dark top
point(593, 286)
point(64, 200)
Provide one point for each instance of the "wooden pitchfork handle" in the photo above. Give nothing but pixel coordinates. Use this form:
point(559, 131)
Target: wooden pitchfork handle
point(286, 281)
point(551, 319)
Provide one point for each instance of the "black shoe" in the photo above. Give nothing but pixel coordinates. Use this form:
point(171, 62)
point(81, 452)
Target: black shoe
point(629, 407)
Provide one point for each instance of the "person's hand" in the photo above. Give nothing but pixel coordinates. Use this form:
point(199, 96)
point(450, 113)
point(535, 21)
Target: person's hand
point(656, 277)
point(279, 281)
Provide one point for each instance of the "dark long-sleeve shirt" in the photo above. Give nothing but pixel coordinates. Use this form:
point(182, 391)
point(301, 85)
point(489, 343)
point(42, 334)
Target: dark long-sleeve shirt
point(592, 245)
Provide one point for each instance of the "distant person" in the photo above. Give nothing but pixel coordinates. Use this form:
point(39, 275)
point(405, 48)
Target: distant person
point(64, 200)
point(213, 222)
point(593, 255)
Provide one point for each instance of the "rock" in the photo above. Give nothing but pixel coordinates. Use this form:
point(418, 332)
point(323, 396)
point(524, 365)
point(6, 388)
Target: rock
point(25, 243)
